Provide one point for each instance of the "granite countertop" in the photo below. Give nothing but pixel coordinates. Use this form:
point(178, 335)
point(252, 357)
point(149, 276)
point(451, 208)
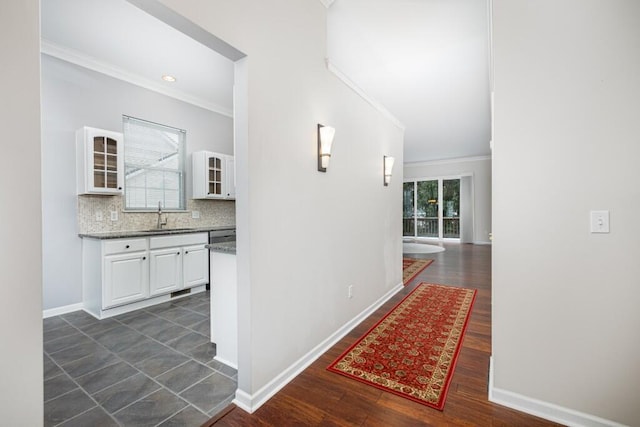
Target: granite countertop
point(224, 247)
point(145, 233)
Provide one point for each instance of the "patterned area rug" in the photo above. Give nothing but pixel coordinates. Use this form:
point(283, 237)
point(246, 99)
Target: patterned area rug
point(412, 267)
point(413, 350)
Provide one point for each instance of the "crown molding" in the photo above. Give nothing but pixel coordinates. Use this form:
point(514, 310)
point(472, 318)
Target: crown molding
point(446, 161)
point(81, 59)
point(375, 104)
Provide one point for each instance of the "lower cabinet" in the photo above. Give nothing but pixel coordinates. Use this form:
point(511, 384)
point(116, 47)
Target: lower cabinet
point(121, 275)
point(195, 262)
point(178, 262)
point(126, 278)
point(166, 270)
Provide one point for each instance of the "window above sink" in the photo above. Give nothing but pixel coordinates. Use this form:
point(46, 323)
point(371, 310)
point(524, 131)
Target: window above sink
point(154, 161)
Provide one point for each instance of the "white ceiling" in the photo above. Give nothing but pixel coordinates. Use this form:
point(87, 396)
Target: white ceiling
point(115, 37)
point(425, 61)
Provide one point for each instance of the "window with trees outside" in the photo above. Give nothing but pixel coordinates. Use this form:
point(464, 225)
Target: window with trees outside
point(431, 208)
point(154, 161)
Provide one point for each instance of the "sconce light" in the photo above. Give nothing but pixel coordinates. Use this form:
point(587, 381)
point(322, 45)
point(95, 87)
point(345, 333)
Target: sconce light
point(387, 163)
point(325, 139)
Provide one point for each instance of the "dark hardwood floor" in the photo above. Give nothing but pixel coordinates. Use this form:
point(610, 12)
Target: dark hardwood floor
point(318, 397)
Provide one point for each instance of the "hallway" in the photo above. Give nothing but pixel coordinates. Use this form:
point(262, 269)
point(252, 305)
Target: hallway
point(319, 397)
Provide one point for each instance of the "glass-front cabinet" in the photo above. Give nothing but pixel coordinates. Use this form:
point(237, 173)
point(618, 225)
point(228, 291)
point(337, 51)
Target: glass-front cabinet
point(213, 176)
point(100, 161)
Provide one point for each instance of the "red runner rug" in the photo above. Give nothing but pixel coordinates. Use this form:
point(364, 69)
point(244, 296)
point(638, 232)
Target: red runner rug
point(411, 267)
point(413, 350)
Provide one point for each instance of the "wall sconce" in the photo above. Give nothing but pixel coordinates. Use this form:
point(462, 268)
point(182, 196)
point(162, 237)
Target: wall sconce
point(387, 165)
point(325, 139)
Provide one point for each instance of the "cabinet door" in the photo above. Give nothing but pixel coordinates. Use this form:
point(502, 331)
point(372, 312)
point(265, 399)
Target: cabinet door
point(213, 175)
point(195, 263)
point(229, 174)
point(166, 271)
point(126, 279)
point(103, 161)
point(215, 165)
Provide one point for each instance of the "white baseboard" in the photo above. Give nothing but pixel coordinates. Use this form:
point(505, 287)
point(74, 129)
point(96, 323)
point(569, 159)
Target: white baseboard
point(243, 401)
point(251, 402)
point(50, 312)
point(542, 409)
point(225, 362)
point(481, 242)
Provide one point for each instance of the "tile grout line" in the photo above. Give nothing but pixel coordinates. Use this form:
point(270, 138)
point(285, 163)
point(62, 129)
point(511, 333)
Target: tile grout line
point(189, 356)
point(85, 392)
point(120, 359)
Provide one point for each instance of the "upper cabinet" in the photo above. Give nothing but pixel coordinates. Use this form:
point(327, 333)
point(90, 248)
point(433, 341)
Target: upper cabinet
point(99, 161)
point(230, 178)
point(213, 176)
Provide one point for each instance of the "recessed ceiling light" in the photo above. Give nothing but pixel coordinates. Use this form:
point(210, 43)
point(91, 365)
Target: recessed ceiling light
point(169, 78)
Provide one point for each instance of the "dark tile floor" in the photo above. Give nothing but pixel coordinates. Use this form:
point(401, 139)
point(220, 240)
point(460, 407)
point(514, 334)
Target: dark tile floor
point(150, 367)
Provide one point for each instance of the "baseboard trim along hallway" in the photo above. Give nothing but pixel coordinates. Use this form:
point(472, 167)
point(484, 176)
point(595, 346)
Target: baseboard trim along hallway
point(543, 409)
point(251, 403)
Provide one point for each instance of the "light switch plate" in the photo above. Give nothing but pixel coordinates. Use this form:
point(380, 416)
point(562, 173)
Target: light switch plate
point(195, 214)
point(114, 215)
point(599, 221)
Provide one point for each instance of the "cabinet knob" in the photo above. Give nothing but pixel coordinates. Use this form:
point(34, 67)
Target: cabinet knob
point(186, 252)
point(119, 188)
point(144, 257)
point(127, 247)
point(177, 253)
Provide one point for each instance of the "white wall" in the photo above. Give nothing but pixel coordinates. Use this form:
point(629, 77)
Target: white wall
point(480, 169)
point(20, 216)
point(308, 235)
point(565, 302)
point(72, 97)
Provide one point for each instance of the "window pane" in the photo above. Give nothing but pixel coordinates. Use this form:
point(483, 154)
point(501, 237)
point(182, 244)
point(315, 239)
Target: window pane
point(451, 208)
point(427, 209)
point(98, 161)
point(408, 221)
point(154, 165)
point(98, 144)
point(112, 146)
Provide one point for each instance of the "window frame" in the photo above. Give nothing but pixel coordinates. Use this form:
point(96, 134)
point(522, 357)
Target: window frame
point(181, 171)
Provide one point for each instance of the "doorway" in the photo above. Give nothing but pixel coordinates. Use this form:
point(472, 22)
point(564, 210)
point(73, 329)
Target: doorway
point(434, 208)
point(59, 329)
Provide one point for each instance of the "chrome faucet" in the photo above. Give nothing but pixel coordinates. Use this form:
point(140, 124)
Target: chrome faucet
point(160, 221)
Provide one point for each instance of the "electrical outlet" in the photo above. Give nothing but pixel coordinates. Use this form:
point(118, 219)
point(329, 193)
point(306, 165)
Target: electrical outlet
point(99, 216)
point(114, 215)
point(350, 291)
point(195, 214)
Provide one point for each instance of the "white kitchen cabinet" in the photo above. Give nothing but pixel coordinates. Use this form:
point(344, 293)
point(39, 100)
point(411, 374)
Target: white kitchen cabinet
point(99, 161)
point(213, 175)
point(230, 177)
point(115, 273)
point(121, 275)
point(178, 262)
point(166, 271)
point(195, 262)
point(125, 279)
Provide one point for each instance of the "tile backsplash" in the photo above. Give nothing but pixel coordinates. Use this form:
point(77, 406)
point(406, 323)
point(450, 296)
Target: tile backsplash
point(90, 208)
